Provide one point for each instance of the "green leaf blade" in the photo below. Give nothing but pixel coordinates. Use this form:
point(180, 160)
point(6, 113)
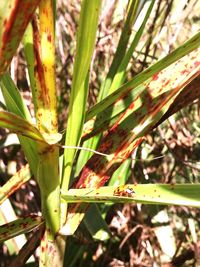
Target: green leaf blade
point(175, 194)
point(87, 31)
point(19, 227)
point(20, 126)
point(192, 44)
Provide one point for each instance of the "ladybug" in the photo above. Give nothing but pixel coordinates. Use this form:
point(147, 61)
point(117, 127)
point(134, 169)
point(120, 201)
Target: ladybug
point(124, 191)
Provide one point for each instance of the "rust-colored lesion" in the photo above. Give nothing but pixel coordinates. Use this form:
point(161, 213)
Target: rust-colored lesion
point(8, 25)
point(15, 182)
point(42, 92)
point(13, 28)
point(124, 191)
point(121, 139)
point(45, 110)
point(187, 96)
point(44, 60)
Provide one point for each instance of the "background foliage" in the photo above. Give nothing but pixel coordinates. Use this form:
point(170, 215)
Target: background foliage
point(137, 235)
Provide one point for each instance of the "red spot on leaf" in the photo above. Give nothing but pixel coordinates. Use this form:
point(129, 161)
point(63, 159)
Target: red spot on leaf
point(166, 82)
point(132, 105)
point(39, 69)
point(184, 72)
point(43, 249)
point(196, 63)
point(155, 76)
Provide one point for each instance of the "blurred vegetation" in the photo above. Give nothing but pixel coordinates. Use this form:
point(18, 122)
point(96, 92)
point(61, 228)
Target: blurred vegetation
point(140, 235)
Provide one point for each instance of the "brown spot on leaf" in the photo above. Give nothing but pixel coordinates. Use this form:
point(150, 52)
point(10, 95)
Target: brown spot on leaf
point(49, 38)
point(155, 76)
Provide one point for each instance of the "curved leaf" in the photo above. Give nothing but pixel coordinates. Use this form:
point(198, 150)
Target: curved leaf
point(20, 126)
point(15, 104)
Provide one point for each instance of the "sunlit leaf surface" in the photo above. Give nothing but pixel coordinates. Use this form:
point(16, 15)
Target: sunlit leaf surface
point(19, 226)
point(174, 194)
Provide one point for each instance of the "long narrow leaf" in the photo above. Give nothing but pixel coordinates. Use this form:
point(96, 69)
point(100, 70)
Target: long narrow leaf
point(119, 77)
point(14, 183)
point(13, 23)
point(176, 194)
point(121, 48)
point(118, 60)
point(181, 51)
point(108, 117)
point(15, 104)
point(85, 45)
point(129, 130)
point(45, 96)
point(14, 101)
point(20, 126)
point(138, 119)
point(19, 226)
point(8, 214)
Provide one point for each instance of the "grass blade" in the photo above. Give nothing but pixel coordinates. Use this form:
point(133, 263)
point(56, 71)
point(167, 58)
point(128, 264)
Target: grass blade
point(138, 120)
point(20, 126)
point(13, 23)
point(105, 87)
point(13, 99)
point(19, 227)
point(8, 214)
point(121, 48)
point(14, 183)
point(181, 51)
point(120, 75)
point(15, 104)
point(108, 117)
point(129, 130)
point(177, 194)
point(95, 223)
point(87, 31)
